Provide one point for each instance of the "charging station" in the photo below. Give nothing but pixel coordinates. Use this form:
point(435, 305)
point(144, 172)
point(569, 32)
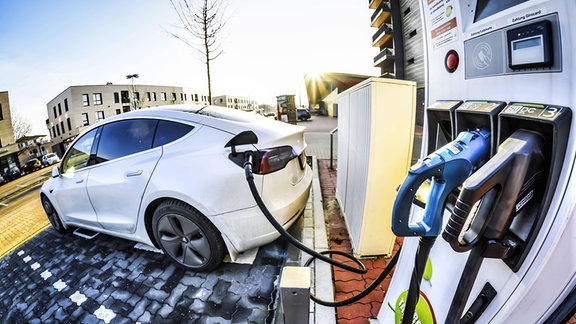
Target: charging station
point(508, 231)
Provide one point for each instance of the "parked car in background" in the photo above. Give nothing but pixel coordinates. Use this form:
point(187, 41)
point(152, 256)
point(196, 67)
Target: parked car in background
point(31, 166)
point(173, 177)
point(13, 173)
point(302, 114)
point(50, 158)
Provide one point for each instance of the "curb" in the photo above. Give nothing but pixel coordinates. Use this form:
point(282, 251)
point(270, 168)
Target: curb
point(323, 281)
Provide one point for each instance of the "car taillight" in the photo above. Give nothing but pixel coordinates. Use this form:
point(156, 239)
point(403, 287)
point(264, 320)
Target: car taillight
point(275, 159)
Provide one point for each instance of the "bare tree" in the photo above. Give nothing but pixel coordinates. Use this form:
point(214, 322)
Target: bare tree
point(202, 21)
point(20, 125)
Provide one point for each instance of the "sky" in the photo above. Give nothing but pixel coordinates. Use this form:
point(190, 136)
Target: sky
point(269, 45)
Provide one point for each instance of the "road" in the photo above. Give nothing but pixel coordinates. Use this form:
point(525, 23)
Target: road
point(317, 135)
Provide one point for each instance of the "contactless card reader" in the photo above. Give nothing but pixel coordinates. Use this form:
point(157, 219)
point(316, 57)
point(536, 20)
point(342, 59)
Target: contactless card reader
point(530, 46)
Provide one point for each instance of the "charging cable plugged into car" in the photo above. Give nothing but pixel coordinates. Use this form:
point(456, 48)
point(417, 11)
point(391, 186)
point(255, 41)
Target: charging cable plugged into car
point(257, 161)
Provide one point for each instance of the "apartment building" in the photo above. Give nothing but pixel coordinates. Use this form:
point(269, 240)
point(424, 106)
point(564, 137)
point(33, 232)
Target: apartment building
point(400, 42)
point(78, 107)
point(8, 147)
point(241, 103)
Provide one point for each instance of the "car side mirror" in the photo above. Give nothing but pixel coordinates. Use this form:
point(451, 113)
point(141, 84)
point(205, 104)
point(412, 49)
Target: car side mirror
point(55, 172)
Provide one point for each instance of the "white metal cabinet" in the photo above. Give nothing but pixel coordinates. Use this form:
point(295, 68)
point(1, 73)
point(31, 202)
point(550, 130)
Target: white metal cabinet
point(376, 132)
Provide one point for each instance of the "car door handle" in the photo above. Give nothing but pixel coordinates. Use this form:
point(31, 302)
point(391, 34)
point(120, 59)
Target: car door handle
point(80, 181)
point(133, 173)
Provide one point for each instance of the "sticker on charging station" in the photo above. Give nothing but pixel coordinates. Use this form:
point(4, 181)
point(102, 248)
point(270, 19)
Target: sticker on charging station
point(534, 111)
point(442, 17)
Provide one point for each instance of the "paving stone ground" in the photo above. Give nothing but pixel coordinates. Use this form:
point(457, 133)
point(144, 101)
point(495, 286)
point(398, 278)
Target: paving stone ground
point(55, 278)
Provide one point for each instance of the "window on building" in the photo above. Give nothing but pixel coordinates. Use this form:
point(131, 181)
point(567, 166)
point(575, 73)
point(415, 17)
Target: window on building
point(125, 96)
point(182, 96)
point(58, 129)
point(185, 97)
point(66, 104)
point(85, 121)
point(173, 96)
point(54, 109)
point(97, 98)
point(99, 115)
point(163, 96)
point(62, 127)
point(148, 96)
point(137, 96)
point(196, 97)
point(69, 124)
point(53, 131)
point(153, 96)
point(116, 97)
point(1, 113)
point(85, 100)
point(118, 111)
point(59, 109)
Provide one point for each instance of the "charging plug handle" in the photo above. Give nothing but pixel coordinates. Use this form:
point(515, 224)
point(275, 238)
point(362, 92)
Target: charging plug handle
point(505, 174)
point(448, 167)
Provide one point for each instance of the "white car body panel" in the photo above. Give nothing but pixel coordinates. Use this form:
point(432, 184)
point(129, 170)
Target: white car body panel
point(116, 188)
point(195, 169)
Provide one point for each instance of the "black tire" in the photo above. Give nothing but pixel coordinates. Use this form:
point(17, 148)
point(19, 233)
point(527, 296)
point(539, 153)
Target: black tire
point(187, 237)
point(53, 217)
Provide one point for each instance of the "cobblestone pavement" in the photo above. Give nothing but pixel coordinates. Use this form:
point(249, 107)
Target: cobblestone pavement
point(56, 278)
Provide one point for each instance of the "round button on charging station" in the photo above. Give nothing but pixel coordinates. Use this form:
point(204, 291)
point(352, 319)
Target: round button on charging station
point(451, 61)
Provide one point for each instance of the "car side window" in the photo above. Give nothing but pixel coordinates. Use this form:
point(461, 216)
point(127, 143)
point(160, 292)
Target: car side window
point(125, 137)
point(78, 156)
point(169, 131)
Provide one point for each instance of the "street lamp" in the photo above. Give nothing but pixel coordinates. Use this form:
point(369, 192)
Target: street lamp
point(134, 100)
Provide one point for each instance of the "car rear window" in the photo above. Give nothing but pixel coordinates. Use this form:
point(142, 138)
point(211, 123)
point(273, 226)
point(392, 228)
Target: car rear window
point(169, 131)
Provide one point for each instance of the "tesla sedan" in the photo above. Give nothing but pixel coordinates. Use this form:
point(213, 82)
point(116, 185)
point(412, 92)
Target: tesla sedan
point(173, 177)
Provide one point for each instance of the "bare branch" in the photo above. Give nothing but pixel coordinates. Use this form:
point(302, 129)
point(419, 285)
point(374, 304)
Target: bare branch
point(202, 20)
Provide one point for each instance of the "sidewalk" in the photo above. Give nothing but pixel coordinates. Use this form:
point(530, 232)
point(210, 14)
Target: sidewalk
point(342, 284)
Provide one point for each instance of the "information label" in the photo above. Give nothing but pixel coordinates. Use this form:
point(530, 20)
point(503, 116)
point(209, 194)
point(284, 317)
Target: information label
point(442, 18)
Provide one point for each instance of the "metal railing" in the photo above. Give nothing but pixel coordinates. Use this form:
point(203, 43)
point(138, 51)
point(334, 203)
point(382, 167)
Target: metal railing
point(332, 146)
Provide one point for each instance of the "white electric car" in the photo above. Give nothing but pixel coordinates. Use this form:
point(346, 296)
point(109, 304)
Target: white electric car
point(173, 177)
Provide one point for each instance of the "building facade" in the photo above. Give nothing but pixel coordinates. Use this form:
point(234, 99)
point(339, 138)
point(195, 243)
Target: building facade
point(241, 103)
point(8, 147)
point(399, 38)
point(78, 107)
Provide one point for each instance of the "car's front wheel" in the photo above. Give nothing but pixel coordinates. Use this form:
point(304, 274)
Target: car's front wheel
point(53, 216)
point(187, 236)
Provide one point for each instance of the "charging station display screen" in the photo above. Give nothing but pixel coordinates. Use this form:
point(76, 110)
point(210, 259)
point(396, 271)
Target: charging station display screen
point(527, 43)
point(486, 8)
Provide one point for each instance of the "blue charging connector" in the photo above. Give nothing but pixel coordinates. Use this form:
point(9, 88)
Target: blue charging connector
point(447, 168)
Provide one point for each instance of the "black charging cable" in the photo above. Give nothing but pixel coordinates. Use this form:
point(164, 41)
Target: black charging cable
point(315, 255)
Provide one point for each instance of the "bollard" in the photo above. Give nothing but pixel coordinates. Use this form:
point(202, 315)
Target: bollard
point(295, 294)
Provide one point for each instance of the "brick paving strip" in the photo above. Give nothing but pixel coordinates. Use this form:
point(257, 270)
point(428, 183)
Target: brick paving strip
point(17, 230)
point(347, 284)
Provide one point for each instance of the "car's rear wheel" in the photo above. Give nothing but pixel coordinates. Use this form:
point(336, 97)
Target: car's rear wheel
point(187, 236)
point(53, 216)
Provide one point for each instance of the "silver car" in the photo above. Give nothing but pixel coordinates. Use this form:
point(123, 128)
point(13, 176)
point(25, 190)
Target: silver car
point(172, 177)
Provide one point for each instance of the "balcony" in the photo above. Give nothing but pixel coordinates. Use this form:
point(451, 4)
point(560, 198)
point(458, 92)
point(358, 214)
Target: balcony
point(381, 15)
point(383, 37)
point(385, 60)
point(374, 3)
